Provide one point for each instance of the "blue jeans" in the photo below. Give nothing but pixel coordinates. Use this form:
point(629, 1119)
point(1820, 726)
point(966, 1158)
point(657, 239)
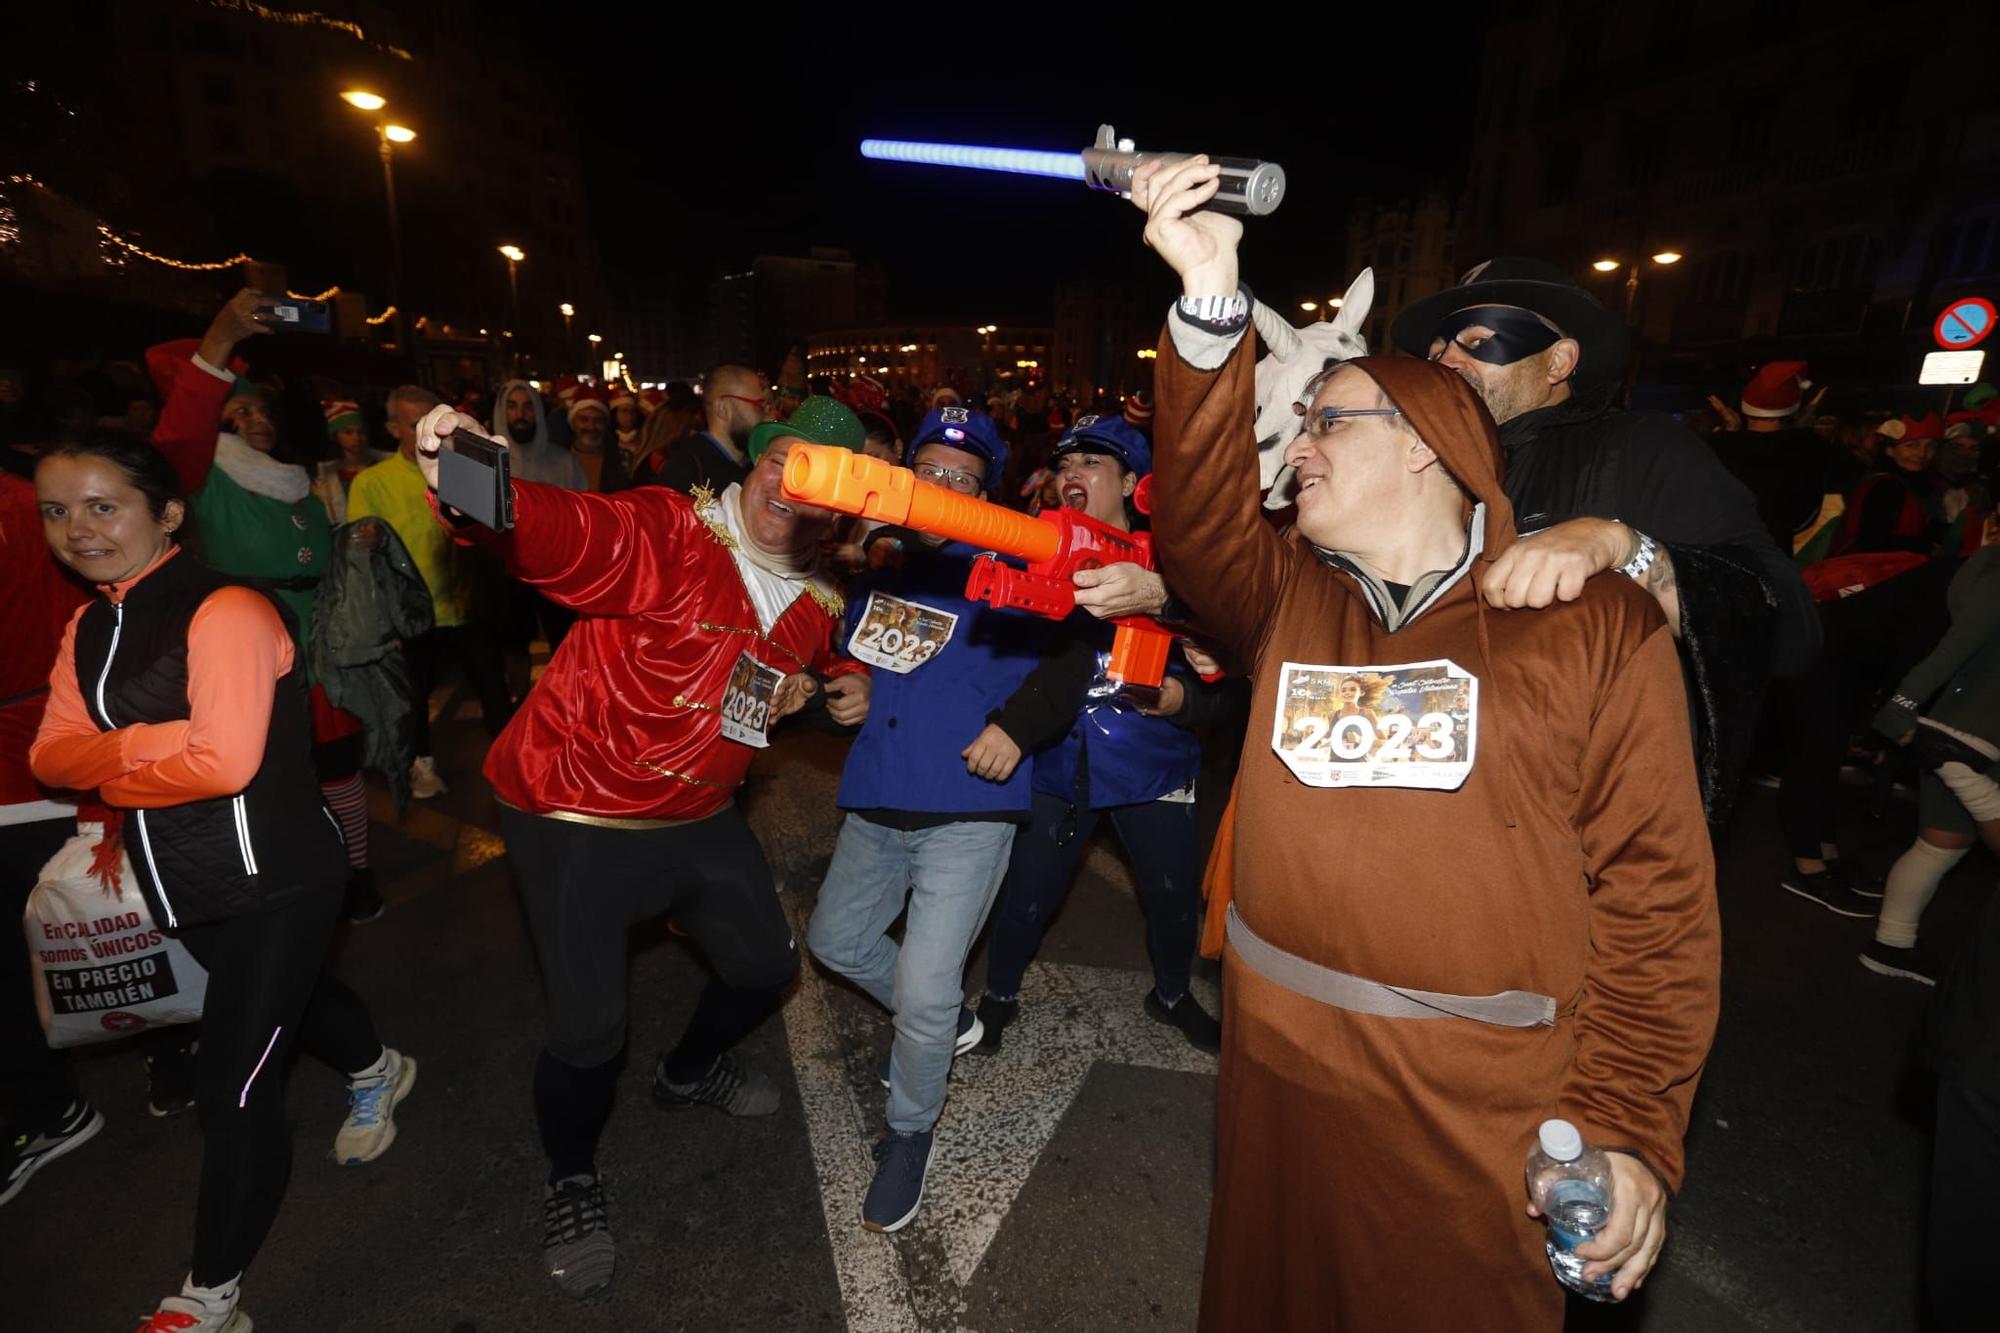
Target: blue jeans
point(949, 875)
point(1160, 838)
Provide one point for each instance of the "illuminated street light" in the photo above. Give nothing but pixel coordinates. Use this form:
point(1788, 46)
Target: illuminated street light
point(386, 136)
point(515, 254)
point(1667, 257)
point(567, 309)
point(1336, 302)
point(595, 339)
point(1149, 354)
point(1308, 306)
point(1606, 266)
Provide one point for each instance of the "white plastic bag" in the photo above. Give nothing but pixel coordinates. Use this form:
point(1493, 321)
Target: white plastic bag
point(103, 970)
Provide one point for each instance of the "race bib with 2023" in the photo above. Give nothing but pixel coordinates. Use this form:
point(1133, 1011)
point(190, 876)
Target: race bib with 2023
point(1411, 725)
point(900, 636)
point(747, 700)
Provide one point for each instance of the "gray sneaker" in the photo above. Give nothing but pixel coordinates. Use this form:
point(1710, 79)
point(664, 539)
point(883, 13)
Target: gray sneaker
point(728, 1087)
point(576, 1235)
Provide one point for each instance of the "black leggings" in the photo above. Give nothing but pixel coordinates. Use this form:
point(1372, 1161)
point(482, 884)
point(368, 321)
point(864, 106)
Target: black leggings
point(584, 887)
point(1161, 840)
point(478, 656)
point(268, 987)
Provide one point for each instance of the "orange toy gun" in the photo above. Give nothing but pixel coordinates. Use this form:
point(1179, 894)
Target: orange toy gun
point(1055, 544)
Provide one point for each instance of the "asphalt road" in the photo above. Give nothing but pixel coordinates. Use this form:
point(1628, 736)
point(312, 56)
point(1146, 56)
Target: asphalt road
point(1072, 1181)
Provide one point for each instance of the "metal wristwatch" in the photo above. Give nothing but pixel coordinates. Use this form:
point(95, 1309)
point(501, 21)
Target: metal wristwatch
point(1642, 559)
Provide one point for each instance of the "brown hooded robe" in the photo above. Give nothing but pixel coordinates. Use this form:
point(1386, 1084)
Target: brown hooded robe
point(1369, 1169)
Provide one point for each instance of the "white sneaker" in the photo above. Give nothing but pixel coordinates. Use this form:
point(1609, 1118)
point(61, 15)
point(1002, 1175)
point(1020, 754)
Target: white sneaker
point(424, 780)
point(199, 1310)
point(370, 1126)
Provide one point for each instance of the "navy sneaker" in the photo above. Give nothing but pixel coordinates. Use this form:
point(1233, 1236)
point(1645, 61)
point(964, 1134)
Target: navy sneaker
point(901, 1163)
point(969, 1033)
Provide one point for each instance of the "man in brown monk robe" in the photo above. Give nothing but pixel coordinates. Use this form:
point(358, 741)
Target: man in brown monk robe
point(1485, 901)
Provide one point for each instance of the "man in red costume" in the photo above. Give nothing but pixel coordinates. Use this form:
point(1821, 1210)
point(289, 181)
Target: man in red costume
point(701, 620)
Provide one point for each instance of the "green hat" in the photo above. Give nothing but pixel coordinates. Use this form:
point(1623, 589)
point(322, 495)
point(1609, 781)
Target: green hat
point(1979, 395)
point(819, 420)
point(243, 384)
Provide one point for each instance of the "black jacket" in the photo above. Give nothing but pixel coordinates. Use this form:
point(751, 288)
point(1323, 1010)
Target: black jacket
point(1745, 613)
point(230, 855)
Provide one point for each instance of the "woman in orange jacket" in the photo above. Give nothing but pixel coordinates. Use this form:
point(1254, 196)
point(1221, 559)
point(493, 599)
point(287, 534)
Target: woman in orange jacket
point(176, 694)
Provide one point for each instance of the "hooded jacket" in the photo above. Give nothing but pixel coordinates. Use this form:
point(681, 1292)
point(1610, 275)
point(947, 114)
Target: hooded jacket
point(1572, 863)
point(540, 459)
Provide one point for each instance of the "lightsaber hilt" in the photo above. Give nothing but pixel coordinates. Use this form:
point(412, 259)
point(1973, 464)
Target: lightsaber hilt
point(1247, 187)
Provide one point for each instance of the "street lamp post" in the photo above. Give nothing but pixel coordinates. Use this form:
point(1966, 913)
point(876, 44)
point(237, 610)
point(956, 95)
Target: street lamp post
point(1663, 258)
point(513, 254)
point(386, 137)
point(569, 339)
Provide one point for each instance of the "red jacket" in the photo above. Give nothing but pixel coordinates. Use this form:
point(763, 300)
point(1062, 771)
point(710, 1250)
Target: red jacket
point(37, 599)
point(626, 722)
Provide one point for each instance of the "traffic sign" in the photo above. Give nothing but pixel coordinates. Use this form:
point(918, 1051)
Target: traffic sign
point(1964, 323)
point(1951, 367)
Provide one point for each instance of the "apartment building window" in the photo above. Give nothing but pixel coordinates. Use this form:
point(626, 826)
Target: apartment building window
point(1721, 278)
point(1839, 262)
point(1750, 125)
point(1970, 247)
point(1558, 175)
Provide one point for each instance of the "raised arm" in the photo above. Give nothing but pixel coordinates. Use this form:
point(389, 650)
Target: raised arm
point(194, 379)
point(604, 555)
point(1215, 548)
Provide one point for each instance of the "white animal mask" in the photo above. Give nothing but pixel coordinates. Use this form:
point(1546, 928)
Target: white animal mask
point(1292, 357)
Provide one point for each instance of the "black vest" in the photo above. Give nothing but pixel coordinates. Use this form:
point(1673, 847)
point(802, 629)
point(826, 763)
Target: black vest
point(229, 855)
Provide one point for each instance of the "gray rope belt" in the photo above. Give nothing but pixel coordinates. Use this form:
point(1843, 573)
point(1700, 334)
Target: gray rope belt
point(1342, 990)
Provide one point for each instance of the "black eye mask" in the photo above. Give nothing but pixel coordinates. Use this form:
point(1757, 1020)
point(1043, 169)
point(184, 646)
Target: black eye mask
point(1516, 333)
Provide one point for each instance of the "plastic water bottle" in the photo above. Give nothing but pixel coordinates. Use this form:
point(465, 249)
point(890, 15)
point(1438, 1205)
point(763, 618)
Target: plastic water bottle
point(1571, 1184)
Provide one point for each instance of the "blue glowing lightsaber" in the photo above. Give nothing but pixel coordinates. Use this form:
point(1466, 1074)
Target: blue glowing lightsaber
point(1248, 187)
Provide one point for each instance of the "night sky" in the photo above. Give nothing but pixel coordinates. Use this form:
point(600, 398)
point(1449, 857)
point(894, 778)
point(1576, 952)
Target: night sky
point(776, 166)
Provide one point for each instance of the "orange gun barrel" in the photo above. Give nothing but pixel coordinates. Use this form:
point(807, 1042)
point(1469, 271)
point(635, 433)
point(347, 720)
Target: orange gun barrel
point(851, 483)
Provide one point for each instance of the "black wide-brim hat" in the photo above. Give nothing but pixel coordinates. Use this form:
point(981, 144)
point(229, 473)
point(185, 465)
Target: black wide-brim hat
point(1531, 284)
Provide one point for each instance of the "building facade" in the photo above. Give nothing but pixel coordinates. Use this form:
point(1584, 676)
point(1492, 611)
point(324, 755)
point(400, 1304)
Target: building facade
point(1827, 181)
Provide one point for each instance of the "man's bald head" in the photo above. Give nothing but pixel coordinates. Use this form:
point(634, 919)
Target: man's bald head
point(733, 399)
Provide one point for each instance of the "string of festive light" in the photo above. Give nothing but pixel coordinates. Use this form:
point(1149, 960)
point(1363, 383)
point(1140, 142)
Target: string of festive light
point(326, 295)
point(387, 314)
point(134, 248)
point(309, 19)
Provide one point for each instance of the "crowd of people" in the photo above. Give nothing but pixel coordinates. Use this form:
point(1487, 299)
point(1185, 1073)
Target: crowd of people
point(1516, 647)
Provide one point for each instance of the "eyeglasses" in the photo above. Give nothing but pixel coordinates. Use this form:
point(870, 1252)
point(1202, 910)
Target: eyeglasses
point(754, 402)
point(1322, 422)
point(965, 483)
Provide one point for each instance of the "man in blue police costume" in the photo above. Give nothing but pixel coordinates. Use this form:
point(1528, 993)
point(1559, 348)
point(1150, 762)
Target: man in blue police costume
point(933, 789)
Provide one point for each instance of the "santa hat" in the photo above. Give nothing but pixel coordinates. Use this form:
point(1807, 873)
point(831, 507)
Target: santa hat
point(623, 398)
point(1925, 427)
point(946, 396)
point(340, 415)
point(565, 388)
point(652, 400)
point(589, 396)
point(1139, 409)
point(1776, 390)
point(1892, 429)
